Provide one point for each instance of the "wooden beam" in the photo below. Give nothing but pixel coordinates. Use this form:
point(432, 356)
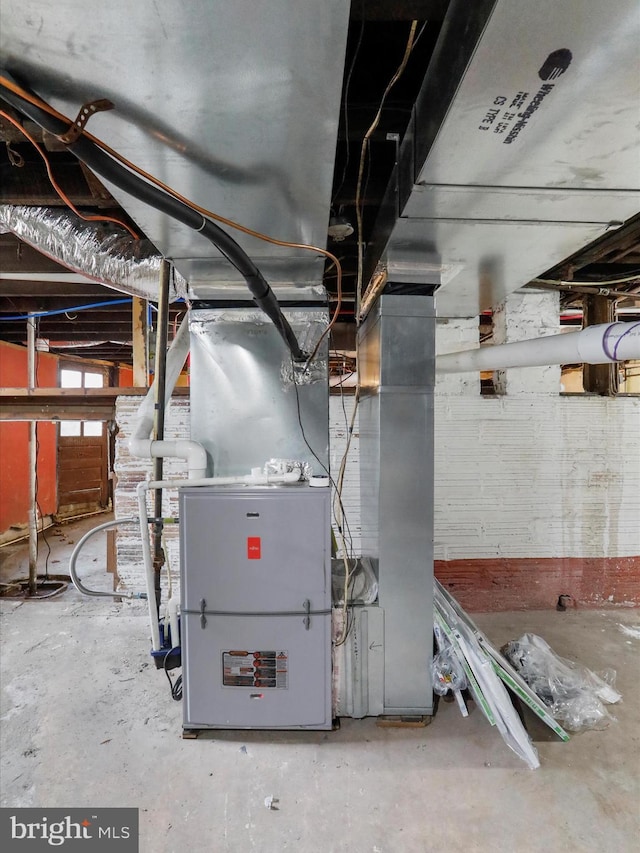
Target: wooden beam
point(54, 404)
point(18, 287)
point(31, 185)
point(140, 338)
point(599, 378)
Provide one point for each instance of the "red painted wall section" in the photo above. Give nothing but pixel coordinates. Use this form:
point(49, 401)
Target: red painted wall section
point(14, 442)
point(125, 376)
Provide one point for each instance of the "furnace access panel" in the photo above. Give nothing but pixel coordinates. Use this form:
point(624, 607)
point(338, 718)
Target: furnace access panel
point(256, 607)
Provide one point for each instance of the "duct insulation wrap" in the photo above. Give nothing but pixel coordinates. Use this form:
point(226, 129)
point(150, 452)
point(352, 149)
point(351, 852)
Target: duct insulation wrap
point(249, 401)
point(97, 250)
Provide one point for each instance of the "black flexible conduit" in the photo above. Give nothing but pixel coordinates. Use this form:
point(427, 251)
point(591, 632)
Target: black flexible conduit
point(99, 161)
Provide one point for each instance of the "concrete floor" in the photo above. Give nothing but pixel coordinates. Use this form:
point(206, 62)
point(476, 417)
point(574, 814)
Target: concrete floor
point(87, 721)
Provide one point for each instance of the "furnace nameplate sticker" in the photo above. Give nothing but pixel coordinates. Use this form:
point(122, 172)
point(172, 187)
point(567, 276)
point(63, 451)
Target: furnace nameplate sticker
point(255, 669)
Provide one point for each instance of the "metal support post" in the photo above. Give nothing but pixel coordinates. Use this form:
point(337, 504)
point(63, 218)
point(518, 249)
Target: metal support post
point(33, 460)
point(160, 367)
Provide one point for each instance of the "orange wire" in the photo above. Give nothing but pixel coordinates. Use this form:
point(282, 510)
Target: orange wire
point(27, 96)
point(56, 186)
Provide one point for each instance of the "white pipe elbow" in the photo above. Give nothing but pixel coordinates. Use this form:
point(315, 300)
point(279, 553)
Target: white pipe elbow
point(193, 452)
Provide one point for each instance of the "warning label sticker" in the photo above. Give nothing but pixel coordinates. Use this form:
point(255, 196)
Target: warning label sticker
point(255, 669)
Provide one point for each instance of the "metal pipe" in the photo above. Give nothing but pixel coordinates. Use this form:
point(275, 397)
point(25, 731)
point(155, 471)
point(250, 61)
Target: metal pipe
point(606, 342)
point(160, 368)
point(33, 461)
point(76, 553)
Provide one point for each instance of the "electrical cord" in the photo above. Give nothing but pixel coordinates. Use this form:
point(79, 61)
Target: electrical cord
point(592, 283)
point(39, 314)
point(365, 148)
point(65, 198)
point(44, 110)
point(175, 686)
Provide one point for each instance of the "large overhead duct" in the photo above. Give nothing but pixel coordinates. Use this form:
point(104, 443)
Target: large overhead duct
point(240, 115)
point(95, 250)
point(521, 149)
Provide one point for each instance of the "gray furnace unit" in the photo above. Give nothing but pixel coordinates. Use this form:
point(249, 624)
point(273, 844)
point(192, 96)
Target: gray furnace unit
point(256, 607)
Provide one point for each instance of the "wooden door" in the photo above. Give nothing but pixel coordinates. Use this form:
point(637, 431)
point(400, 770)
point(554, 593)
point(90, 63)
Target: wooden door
point(83, 484)
point(83, 457)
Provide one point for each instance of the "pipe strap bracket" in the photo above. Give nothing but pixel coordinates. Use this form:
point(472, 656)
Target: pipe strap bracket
point(86, 111)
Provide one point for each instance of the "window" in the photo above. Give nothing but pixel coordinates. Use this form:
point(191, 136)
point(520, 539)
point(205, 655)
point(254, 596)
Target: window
point(81, 377)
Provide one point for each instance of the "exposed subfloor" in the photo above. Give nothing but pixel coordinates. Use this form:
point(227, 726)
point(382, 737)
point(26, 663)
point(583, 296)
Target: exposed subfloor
point(87, 721)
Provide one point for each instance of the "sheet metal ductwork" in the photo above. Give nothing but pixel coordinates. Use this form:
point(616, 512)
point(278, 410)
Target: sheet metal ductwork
point(522, 148)
point(237, 112)
point(95, 250)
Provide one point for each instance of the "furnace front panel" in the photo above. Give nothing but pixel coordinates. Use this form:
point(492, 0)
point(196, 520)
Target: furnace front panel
point(256, 608)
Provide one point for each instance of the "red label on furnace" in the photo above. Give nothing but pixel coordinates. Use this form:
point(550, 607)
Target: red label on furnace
point(253, 548)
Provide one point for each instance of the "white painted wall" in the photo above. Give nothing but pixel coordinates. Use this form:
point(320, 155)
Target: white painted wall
point(537, 476)
point(529, 476)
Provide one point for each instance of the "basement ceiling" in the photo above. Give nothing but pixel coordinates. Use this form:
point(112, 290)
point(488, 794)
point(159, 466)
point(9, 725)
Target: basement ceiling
point(370, 43)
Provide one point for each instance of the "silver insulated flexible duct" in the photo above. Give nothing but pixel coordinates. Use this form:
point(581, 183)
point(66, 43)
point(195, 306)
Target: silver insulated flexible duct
point(93, 249)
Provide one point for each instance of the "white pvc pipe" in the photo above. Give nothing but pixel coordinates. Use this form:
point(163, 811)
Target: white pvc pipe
point(172, 614)
point(147, 560)
point(140, 444)
point(607, 342)
point(176, 356)
point(181, 448)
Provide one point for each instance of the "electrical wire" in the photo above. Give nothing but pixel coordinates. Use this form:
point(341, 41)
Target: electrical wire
point(341, 525)
point(42, 105)
point(176, 686)
point(603, 283)
point(64, 310)
point(65, 198)
point(364, 149)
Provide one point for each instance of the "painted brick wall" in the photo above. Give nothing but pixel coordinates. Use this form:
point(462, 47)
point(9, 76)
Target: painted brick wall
point(129, 472)
point(340, 414)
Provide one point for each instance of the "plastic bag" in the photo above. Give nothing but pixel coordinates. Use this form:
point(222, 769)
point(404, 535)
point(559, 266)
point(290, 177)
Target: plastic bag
point(447, 672)
point(574, 694)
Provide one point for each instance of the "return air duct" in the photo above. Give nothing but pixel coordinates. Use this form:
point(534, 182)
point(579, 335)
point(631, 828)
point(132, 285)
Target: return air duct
point(91, 249)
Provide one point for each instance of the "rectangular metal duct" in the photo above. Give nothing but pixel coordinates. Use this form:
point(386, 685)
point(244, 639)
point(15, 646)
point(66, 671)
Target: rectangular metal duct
point(234, 104)
point(522, 148)
point(397, 345)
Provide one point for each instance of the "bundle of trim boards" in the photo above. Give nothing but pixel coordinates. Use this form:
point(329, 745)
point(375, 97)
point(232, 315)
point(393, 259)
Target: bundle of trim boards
point(488, 674)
